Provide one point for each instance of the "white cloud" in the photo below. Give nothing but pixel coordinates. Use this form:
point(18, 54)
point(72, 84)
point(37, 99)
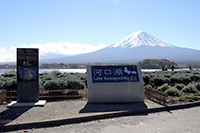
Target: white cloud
point(7, 55)
point(64, 48)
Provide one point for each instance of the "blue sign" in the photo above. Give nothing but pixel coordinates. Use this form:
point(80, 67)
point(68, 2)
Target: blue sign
point(102, 74)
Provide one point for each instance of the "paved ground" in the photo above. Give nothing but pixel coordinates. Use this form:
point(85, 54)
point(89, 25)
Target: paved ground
point(63, 110)
point(179, 121)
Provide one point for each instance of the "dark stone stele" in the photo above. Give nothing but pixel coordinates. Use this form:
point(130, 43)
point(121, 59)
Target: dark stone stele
point(27, 75)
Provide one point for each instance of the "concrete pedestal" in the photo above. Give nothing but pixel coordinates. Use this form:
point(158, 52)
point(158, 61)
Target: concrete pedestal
point(40, 103)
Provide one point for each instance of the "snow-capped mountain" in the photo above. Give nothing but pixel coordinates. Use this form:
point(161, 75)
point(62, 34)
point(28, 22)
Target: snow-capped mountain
point(135, 47)
point(140, 38)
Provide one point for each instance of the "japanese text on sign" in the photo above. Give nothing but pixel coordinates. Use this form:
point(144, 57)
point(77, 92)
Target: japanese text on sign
point(114, 74)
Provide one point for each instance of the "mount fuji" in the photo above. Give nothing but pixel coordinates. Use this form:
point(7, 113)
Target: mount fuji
point(135, 47)
point(140, 38)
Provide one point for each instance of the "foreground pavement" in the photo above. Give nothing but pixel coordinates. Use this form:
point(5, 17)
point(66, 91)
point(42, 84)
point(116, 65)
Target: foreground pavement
point(178, 121)
point(65, 110)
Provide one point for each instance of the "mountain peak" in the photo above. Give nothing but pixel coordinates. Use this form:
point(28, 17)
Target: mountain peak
point(140, 38)
point(138, 32)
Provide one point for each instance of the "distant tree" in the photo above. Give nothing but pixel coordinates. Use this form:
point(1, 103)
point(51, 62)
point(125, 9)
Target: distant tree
point(156, 63)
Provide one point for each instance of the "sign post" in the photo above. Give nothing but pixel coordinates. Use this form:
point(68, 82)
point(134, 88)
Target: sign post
point(115, 83)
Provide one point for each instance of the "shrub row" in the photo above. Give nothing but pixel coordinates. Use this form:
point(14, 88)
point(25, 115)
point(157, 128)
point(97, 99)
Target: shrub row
point(189, 98)
point(157, 79)
point(47, 81)
point(60, 85)
point(162, 80)
point(178, 89)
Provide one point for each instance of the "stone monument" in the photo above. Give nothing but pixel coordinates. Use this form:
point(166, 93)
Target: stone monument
point(27, 77)
point(115, 83)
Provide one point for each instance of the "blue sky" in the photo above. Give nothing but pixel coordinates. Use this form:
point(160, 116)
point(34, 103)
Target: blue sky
point(96, 22)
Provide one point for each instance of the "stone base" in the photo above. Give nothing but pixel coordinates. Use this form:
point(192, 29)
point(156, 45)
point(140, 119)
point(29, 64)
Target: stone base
point(40, 103)
point(115, 92)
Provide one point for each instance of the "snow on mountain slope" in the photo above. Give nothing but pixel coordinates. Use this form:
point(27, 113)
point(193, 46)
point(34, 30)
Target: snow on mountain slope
point(140, 38)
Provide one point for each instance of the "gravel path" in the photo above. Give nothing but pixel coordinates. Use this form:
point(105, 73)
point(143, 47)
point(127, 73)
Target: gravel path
point(179, 121)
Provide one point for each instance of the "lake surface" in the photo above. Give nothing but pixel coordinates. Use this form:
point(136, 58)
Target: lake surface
point(2, 71)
